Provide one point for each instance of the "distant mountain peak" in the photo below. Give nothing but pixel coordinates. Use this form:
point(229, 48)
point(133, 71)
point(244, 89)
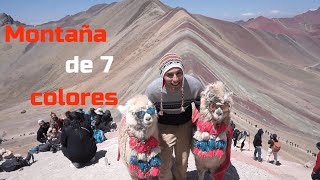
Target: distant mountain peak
point(6, 19)
point(288, 26)
point(262, 18)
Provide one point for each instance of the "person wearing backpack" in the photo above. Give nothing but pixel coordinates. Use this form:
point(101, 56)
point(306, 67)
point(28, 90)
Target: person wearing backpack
point(274, 148)
point(315, 175)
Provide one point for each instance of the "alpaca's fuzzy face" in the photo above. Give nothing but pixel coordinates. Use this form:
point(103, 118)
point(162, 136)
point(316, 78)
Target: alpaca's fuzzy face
point(215, 103)
point(140, 113)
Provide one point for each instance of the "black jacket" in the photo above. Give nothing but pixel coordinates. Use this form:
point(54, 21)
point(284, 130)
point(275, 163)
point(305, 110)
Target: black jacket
point(106, 117)
point(78, 145)
point(257, 141)
point(98, 119)
point(42, 132)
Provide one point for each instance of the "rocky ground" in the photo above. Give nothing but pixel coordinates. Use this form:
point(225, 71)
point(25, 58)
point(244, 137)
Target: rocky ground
point(55, 166)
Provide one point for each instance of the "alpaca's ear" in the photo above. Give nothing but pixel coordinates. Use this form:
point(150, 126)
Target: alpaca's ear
point(202, 94)
point(122, 109)
point(206, 90)
point(227, 97)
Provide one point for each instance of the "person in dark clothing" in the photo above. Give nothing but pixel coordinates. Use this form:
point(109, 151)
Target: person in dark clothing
point(315, 175)
point(236, 133)
point(82, 118)
point(77, 141)
point(84, 115)
point(257, 144)
point(239, 136)
point(92, 114)
point(107, 119)
point(98, 120)
point(66, 122)
point(233, 125)
point(42, 131)
point(242, 138)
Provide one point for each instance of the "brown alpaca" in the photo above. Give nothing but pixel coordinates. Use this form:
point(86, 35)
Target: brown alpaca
point(210, 139)
point(138, 138)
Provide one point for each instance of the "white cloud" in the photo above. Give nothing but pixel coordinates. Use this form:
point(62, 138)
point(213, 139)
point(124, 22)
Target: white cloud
point(274, 12)
point(248, 14)
point(313, 9)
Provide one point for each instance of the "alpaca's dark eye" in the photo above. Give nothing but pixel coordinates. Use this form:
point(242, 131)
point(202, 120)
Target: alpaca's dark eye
point(225, 107)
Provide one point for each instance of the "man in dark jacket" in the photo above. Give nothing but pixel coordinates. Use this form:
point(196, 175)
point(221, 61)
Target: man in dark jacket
point(77, 142)
point(42, 131)
point(257, 143)
point(107, 120)
point(236, 133)
point(98, 120)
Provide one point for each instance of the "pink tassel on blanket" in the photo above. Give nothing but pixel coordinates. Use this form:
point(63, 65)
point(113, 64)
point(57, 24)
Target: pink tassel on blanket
point(133, 167)
point(154, 171)
point(141, 174)
point(219, 153)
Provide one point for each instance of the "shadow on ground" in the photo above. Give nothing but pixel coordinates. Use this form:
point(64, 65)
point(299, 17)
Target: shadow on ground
point(231, 174)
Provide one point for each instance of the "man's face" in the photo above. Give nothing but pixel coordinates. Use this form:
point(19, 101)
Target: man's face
point(173, 79)
point(53, 115)
point(41, 124)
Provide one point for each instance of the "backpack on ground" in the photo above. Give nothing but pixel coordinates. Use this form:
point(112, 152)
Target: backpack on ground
point(14, 164)
point(98, 135)
point(276, 146)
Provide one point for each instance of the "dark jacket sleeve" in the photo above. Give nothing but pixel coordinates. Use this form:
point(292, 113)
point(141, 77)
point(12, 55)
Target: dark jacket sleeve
point(40, 137)
point(254, 142)
point(97, 119)
point(63, 137)
point(90, 129)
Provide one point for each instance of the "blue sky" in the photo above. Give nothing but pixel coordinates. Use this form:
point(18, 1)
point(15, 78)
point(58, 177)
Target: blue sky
point(41, 11)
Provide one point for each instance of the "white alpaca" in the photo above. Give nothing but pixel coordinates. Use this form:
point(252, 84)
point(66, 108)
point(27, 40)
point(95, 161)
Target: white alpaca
point(210, 139)
point(138, 139)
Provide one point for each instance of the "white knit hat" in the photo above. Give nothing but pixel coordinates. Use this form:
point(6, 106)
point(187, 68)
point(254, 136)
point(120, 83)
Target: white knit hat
point(99, 111)
point(167, 62)
point(40, 121)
